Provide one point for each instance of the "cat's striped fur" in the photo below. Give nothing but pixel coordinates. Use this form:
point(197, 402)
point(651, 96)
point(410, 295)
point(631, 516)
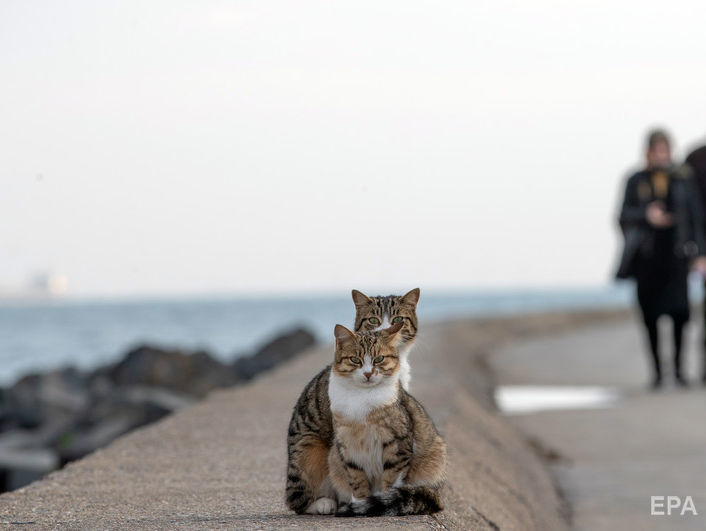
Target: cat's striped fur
point(377, 313)
point(309, 439)
point(310, 433)
point(385, 455)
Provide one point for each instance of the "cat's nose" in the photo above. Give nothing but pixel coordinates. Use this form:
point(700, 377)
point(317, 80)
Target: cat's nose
point(367, 375)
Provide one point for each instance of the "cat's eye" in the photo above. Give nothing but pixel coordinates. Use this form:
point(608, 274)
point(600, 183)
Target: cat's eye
point(379, 359)
point(397, 319)
point(374, 320)
point(355, 360)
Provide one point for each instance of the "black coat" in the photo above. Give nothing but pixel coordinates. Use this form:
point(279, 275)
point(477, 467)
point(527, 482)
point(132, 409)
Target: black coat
point(659, 257)
point(685, 207)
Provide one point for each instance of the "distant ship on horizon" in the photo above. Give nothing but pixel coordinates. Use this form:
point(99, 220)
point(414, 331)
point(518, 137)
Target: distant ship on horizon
point(40, 286)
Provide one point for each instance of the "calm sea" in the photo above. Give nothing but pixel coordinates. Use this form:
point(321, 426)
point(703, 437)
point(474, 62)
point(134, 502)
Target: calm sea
point(52, 334)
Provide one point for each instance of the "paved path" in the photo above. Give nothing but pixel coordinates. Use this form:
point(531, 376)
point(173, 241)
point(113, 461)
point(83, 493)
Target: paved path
point(611, 461)
point(221, 463)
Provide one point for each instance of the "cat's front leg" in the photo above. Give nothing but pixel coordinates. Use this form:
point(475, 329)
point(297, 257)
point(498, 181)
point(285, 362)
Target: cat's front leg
point(395, 472)
point(393, 479)
point(349, 479)
point(397, 453)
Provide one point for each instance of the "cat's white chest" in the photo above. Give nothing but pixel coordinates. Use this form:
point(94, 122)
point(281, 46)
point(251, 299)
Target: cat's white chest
point(354, 403)
point(405, 375)
point(405, 369)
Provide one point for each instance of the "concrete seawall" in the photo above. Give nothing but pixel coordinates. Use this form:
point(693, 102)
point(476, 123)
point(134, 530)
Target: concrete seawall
point(221, 463)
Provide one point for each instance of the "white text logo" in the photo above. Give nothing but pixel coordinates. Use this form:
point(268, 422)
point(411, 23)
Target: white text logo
point(666, 505)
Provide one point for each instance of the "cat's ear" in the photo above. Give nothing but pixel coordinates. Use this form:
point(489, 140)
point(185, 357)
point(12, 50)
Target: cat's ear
point(391, 335)
point(360, 298)
point(344, 337)
point(411, 297)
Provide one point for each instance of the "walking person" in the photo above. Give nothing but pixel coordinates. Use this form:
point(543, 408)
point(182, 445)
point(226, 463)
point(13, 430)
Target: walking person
point(662, 226)
point(697, 162)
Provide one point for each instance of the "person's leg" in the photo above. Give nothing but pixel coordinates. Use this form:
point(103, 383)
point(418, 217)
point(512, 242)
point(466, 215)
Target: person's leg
point(703, 331)
point(653, 337)
point(679, 323)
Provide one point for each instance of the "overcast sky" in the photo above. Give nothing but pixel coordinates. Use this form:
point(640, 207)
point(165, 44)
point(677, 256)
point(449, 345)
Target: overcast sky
point(260, 146)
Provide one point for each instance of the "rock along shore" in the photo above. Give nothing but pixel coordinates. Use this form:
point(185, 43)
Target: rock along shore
point(220, 463)
point(49, 419)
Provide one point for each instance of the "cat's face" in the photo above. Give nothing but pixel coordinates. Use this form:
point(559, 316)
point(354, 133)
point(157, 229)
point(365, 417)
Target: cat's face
point(379, 313)
point(367, 358)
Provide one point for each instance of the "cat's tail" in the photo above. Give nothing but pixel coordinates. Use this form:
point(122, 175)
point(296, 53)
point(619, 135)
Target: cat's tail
point(398, 501)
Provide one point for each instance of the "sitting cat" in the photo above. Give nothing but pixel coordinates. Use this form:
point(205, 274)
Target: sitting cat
point(310, 433)
point(387, 457)
point(378, 313)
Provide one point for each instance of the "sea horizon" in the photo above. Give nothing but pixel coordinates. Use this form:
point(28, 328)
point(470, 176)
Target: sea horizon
point(41, 335)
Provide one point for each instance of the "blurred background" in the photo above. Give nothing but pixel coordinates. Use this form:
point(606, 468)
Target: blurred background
point(208, 175)
point(204, 174)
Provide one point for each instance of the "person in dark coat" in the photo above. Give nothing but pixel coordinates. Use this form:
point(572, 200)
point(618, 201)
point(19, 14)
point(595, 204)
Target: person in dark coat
point(662, 225)
point(697, 162)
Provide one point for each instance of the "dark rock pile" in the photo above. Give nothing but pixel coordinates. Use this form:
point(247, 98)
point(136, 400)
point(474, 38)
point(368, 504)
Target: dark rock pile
point(48, 419)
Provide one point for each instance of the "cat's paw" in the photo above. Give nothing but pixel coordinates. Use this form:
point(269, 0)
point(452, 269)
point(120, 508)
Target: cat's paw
point(322, 506)
point(357, 507)
point(345, 510)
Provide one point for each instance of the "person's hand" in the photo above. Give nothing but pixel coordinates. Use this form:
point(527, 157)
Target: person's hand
point(699, 265)
point(657, 216)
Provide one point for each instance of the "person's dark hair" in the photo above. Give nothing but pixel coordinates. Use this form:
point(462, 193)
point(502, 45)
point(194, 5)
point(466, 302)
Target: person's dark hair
point(657, 135)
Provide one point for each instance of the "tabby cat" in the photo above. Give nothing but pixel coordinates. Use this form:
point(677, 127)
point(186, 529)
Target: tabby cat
point(378, 313)
point(386, 458)
point(310, 433)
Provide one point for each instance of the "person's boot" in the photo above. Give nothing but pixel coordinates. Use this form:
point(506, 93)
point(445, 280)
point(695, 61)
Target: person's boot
point(681, 381)
point(656, 381)
point(678, 377)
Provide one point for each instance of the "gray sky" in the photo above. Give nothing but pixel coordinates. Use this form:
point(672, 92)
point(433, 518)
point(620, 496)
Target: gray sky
point(166, 146)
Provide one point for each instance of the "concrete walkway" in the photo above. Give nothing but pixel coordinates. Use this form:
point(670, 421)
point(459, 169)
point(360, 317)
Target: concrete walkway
point(221, 463)
point(609, 462)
